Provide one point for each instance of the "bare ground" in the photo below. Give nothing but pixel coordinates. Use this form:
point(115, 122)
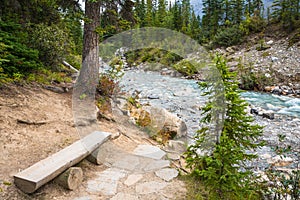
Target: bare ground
point(48, 128)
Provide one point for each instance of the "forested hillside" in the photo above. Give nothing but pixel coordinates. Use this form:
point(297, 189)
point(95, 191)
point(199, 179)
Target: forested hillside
point(37, 35)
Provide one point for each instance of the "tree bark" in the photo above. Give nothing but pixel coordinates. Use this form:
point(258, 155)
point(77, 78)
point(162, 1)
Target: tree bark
point(85, 86)
point(90, 55)
point(91, 38)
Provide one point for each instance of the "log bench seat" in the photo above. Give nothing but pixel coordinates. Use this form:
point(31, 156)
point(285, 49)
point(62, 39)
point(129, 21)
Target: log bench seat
point(30, 179)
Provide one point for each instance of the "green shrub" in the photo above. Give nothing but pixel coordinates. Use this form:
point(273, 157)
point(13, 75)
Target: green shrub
point(185, 67)
point(254, 80)
point(52, 42)
point(228, 37)
point(152, 55)
point(252, 24)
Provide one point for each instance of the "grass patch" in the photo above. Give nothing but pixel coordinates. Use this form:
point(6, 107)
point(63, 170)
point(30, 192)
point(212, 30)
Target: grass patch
point(195, 188)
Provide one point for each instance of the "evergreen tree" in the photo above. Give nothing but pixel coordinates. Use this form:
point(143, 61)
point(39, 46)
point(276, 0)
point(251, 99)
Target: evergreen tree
point(140, 11)
point(168, 21)
point(253, 7)
point(127, 13)
point(149, 14)
point(237, 11)
point(186, 13)
point(177, 17)
point(213, 15)
point(194, 29)
point(224, 171)
point(286, 12)
point(161, 13)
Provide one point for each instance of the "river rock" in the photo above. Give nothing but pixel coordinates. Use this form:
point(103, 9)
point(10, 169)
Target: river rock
point(149, 151)
point(254, 111)
point(274, 59)
point(268, 115)
point(152, 96)
point(269, 88)
point(280, 161)
point(276, 90)
point(270, 42)
point(160, 123)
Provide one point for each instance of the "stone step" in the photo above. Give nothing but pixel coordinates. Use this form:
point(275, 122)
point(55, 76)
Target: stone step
point(148, 158)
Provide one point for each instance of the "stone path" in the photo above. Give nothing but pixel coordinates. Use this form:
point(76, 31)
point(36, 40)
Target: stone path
point(141, 174)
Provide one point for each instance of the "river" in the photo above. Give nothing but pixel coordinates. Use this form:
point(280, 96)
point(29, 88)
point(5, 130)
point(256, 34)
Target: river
point(183, 97)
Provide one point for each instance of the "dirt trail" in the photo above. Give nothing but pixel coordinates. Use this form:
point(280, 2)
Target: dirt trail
point(49, 127)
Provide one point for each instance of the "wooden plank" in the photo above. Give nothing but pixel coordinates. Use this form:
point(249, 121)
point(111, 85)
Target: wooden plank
point(30, 179)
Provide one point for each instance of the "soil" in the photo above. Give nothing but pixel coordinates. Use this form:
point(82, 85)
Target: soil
point(48, 128)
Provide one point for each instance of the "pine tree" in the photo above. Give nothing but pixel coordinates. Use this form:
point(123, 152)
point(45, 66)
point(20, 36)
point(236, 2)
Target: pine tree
point(127, 13)
point(149, 14)
point(237, 11)
point(212, 16)
point(177, 17)
point(161, 13)
point(286, 12)
point(140, 10)
point(194, 29)
point(186, 13)
point(223, 171)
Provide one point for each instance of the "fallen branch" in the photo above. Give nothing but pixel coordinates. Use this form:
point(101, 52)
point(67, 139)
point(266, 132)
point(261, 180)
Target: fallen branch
point(70, 66)
point(180, 167)
point(21, 121)
point(103, 116)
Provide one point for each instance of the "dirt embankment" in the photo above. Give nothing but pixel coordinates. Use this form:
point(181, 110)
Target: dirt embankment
point(35, 123)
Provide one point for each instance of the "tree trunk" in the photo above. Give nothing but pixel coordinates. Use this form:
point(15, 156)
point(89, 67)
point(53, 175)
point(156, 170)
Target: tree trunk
point(90, 55)
point(91, 38)
point(84, 90)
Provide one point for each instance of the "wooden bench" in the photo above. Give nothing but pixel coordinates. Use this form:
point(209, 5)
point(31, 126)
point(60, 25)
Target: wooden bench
point(30, 179)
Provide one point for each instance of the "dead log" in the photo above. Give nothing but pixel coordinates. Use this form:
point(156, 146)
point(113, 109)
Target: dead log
point(21, 121)
point(70, 179)
point(70, 66)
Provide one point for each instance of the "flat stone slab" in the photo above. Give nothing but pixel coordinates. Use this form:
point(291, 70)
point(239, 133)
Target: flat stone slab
point(167, 174)
point(127, 162)
point(133, 179)
point(124, 196)
point(149, 151)
point(156, 165)
point(150, 187)
point(106, 182)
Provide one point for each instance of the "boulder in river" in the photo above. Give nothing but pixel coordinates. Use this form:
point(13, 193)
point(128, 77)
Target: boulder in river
point(268, 115)
point(160, 123)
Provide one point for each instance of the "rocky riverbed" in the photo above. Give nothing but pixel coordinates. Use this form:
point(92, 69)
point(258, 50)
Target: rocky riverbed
point(183, 97)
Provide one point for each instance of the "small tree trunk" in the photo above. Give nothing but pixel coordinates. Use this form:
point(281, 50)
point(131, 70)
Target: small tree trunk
point(71, 178)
